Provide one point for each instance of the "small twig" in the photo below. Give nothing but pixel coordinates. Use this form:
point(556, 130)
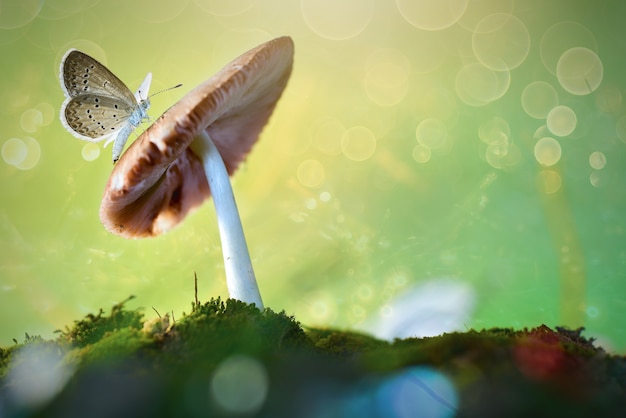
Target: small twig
point(173, 319)
point(157, 312)
point(195, 277)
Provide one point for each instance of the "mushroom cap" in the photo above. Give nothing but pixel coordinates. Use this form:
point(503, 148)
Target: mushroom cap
point(160, 179)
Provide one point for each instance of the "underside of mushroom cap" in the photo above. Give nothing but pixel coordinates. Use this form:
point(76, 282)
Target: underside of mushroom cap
point(159, 179)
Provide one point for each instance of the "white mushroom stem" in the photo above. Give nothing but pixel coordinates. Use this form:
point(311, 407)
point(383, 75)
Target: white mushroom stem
point(240, 277)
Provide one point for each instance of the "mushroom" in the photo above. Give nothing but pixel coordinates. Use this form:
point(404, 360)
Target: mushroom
point(189, 153)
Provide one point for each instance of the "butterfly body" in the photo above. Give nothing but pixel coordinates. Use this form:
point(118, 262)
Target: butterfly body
point(98, 104)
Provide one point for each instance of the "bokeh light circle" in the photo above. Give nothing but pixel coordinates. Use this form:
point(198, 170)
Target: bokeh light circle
point(322, 307)
point(31, 120)
point(90, 151)
point(540, 132)
point(47, 112)
point(561, 120)
point(431, 133)
point(592, 311)
point(240, 385)
point(501, 42)
point(500, 152)
point(17, 13)
point(33, 154)
point(35, 375)
point(311, 173)
point(417, 392)
point(496, 131)
point(477, 85)
point(358, 143)
point(547, 151)
point(596, 179)
point(337, 20)
point(597, 160)
point(538, 98)
point(421, 154)
point(432, 15)
point(563, 36)
point(579, 71)
point(22, 153)
point(14, 151)
point(496, 155)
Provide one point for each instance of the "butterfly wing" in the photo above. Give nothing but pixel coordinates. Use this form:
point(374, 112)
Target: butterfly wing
point(142, 92)
point(81, 74)
point(94, 117)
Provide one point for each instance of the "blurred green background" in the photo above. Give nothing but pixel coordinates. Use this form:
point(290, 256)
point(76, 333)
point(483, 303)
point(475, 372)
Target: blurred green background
point(466, 156)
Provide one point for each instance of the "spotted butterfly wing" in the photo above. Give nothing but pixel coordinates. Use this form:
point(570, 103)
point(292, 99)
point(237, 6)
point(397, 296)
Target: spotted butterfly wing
point(98, 104)
point(95, 117)
point(81, 74)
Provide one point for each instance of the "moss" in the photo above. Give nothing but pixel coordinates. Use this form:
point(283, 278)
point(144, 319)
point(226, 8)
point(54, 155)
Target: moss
point(343, 343)
point(125, 366)
point(5, 357)
point(119, 344)
point(226, 328)
point(92, 328)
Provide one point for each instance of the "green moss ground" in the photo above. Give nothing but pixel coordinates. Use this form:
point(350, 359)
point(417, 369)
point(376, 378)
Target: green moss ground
point(121, 365)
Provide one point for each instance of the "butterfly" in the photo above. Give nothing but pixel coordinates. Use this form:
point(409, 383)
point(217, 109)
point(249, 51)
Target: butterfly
point(98, 105)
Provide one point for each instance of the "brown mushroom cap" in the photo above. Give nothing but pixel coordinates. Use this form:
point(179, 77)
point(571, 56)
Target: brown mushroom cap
point(160, 179)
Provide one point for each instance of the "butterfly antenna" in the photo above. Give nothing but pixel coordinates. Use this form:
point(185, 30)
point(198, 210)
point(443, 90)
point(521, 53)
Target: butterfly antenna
point(167, 89)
